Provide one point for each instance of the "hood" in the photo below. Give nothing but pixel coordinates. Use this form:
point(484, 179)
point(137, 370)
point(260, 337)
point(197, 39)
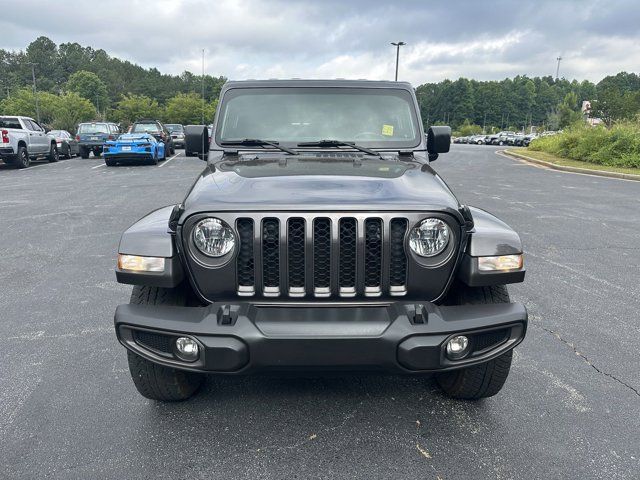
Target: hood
point(315, 182)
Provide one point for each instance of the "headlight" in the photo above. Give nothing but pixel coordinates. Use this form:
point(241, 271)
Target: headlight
point(429, 238)
point(213, 237)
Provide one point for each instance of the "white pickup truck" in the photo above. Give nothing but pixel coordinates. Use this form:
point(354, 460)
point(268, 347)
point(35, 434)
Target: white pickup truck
point(22, 139)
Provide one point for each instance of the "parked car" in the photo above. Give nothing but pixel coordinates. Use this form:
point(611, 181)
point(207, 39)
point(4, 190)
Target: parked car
point(177, 134)
point(66, 143)
point(477, 139)
point(528, 139)
point(91, 137)
point(134, 147)
point(500, 138)
point(158, 130)
point(22, 140)
point(307, 249)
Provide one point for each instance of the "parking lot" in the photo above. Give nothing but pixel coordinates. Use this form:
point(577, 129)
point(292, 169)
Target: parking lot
point(68, 409)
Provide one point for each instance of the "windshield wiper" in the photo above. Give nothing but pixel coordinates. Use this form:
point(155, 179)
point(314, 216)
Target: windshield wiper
point(338, 143)
point(256, 142)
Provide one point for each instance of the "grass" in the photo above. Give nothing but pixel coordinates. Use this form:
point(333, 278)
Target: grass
point(567, 162)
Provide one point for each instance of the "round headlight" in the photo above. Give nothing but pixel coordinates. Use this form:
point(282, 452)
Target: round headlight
point(213, 237)
point(429, 238)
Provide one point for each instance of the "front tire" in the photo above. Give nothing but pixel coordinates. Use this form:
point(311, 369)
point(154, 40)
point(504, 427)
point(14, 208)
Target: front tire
point(154, 381)
point(486, 379)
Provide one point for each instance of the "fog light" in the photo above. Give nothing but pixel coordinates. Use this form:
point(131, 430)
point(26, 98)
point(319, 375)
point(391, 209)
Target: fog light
point(187, 349)
point(457, 347)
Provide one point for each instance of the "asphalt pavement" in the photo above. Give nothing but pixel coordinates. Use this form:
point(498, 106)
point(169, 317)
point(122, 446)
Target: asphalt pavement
point(68, 409)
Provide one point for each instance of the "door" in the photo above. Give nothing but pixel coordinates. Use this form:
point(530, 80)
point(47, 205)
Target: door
point(38, 140)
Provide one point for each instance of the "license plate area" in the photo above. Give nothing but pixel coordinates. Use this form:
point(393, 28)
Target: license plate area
point(126, 149)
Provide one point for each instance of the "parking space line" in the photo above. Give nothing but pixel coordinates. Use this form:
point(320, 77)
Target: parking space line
point(31, 167)
point(98, 166)
point(168, 160)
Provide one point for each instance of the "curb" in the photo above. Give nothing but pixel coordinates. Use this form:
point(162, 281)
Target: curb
point(563, 168)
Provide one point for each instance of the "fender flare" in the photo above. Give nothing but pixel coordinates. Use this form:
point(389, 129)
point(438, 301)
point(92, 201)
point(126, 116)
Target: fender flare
point(150, 237)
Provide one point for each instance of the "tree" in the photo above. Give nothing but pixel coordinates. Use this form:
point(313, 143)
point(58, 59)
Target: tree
point(134, 107)
point(186, 108)
point(567, 110)
point(72, 109)
point(22, 102)
point(88, 85)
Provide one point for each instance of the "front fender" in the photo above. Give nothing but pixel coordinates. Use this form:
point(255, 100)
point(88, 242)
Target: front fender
point(490, 237)
point(150, 237)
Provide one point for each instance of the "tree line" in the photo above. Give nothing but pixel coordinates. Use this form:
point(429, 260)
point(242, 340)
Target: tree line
point(519, 102)
point(93, 85)
point(77, 83)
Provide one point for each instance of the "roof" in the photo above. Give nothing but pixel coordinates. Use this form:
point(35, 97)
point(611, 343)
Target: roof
point(317, 83)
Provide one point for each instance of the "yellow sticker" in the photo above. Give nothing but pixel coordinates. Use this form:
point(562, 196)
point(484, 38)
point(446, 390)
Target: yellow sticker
point(387, 130)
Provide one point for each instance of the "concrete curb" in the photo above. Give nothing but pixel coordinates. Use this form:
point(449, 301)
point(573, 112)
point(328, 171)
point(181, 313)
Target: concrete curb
point(563, 168)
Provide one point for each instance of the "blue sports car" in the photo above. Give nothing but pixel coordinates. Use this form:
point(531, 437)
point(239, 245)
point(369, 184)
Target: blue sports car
point(134, 147)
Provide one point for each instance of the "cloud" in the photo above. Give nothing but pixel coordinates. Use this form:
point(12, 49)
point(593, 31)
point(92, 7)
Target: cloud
point(346, 39)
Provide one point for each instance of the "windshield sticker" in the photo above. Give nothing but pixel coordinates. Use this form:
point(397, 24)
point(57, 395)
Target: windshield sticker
point(387, 130)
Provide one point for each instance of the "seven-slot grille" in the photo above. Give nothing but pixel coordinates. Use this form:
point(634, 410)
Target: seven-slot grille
point(321, 257)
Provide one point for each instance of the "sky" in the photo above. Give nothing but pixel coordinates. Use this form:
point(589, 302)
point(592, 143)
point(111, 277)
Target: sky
point(345, 39)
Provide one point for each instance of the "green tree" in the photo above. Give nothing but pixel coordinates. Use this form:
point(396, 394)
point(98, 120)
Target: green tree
point(134, 107)
point(187, 108)
point(567, 110)
point(71, 110)
point(22, 102)
point(88, 85)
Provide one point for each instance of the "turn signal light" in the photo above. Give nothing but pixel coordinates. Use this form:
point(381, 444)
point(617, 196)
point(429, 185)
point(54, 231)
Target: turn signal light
point(134, 263)
point(5, 136)
point(503, 263)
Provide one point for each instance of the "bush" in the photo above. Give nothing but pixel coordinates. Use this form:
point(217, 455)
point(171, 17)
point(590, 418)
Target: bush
point(618, 146)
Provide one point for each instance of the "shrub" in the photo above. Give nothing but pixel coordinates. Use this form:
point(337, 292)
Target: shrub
point(617, 146)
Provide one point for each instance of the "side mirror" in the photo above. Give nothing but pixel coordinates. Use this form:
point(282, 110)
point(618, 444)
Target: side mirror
point(196, 140)
point(438, 141)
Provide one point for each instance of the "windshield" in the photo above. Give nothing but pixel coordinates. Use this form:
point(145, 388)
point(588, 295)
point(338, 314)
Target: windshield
point(383, 118)
point(145, 128)
point(93, 128)
point(174, 128)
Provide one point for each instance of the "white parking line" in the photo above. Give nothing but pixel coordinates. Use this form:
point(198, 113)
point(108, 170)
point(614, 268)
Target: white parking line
point(98, 166)
point(31, 167)
point(168, 160)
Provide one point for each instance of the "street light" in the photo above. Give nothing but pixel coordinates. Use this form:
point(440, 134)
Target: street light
point(35, 91)
point(558, 67)
point(397, 45)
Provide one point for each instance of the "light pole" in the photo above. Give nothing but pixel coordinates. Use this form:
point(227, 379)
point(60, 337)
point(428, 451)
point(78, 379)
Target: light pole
point(397, 45)
point(203, 86)
point(35, 91)
point(558, 67)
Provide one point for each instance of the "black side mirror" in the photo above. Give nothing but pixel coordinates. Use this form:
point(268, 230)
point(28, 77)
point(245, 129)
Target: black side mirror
point(438, 141)
point(196, 140)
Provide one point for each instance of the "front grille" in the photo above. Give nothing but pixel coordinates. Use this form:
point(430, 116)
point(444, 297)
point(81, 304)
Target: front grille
point(322, 257)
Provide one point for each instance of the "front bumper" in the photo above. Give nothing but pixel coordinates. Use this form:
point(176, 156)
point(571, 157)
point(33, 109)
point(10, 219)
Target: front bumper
point(249, 338)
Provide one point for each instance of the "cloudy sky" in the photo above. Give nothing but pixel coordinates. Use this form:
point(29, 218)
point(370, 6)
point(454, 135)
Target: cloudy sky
point(342, 38)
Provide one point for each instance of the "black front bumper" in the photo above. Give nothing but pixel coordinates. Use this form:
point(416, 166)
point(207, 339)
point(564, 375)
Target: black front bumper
point(248, 338)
